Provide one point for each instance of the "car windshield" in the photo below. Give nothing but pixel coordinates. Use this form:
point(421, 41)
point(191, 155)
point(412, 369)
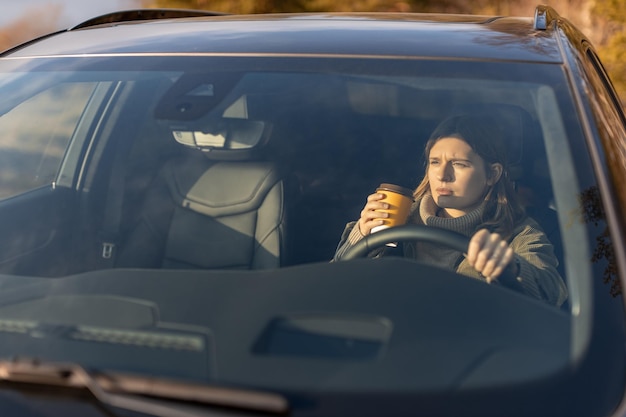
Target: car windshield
point(177, 217)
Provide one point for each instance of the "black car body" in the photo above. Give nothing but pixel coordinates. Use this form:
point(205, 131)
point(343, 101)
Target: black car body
point(173, 186)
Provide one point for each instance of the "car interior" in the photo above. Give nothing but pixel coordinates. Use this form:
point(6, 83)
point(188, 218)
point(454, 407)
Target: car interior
point(297, 173)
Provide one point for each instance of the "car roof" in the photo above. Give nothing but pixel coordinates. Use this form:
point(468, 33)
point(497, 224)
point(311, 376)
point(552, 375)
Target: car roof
point(345, 34)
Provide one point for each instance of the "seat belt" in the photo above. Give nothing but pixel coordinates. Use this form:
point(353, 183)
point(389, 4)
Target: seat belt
point(109, 235)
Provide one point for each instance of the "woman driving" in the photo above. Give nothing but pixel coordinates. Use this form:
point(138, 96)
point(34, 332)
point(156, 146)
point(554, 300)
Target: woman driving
point(466, 188)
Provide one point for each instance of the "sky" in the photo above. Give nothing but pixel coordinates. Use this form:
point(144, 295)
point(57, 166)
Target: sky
point(72, 12)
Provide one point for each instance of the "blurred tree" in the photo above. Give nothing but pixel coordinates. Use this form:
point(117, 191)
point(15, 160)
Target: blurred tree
point(279, 6)
point(35, 22)
point(499, 7)
point(610, 18)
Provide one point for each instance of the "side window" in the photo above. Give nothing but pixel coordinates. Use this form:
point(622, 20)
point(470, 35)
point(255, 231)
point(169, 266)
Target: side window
point(34, 136)
point(604, 80)
point(608, 109)
point(611, 125)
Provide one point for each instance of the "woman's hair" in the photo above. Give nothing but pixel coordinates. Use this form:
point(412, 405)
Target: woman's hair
point(502, 209)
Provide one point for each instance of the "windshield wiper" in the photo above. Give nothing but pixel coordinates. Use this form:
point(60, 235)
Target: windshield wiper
point(134, 393)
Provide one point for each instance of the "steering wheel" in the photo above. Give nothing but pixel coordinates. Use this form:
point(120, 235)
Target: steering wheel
point(410, 232)
point(422, 233)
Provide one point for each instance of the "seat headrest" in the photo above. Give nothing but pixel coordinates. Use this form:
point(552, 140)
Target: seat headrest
point(225, 139)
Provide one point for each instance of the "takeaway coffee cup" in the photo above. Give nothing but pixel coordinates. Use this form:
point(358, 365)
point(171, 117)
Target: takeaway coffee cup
point(399, 200)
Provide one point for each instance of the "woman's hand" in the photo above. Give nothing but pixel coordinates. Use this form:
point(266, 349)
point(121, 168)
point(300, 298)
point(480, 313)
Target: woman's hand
point(489, 254)
point(371, 218)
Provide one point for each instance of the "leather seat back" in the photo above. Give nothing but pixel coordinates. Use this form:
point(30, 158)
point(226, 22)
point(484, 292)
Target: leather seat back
point(232, 215)
point(213, 208)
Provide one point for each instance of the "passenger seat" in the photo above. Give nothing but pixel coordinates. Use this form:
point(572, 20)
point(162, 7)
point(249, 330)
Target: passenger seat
point(213, 208)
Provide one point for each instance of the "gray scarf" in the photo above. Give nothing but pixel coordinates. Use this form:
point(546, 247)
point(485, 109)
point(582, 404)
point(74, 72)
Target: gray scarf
point(424, 211)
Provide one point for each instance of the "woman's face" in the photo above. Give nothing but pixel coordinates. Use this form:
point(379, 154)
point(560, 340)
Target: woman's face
point(458, 177)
